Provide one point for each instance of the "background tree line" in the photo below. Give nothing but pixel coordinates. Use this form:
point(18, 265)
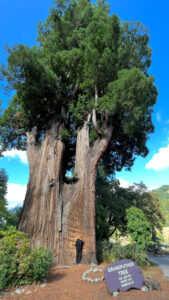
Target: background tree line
point(8, 217)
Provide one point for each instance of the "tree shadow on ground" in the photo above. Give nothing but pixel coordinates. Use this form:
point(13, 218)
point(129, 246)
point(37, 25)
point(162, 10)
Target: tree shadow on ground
point(55, 277)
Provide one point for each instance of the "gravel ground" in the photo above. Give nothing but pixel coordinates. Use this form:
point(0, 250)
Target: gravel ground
point(67, 284)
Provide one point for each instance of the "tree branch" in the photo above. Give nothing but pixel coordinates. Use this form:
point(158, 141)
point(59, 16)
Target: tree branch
point(94, 115)
point(100, 146)
point(112, 232)
point(104, 118)
point(96, 95)
point(32, 136)
point(75, 89)
point(110, 218)
point(94, 120)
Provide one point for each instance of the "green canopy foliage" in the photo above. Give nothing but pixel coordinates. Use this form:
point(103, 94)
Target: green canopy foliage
point(86, 62)
point(139, 228)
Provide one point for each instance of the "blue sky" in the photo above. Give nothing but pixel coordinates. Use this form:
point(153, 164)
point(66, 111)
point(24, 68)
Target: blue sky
point(18, 25)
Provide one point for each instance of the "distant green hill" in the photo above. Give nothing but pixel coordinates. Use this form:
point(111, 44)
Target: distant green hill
point(163, 195)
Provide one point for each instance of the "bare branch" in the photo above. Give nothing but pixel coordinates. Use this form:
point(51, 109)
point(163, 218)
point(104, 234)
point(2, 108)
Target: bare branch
point(88, 118)
point(96, 95)
point(94, 119)
point(94, 114)
point(75, 90)
point(113, 231)
point(32, 136)
point(100, 145)
point(110, 218)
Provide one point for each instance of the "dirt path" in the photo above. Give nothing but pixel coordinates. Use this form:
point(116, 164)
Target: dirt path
point(66, 284)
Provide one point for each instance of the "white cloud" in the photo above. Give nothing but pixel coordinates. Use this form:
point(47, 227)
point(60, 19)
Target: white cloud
point(16, 154)
point(123, 183)
point(159, 160)
point(15, 194)
point(151, 188)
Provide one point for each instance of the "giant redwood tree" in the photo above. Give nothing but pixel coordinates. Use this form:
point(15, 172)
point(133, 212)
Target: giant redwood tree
point(82, 94)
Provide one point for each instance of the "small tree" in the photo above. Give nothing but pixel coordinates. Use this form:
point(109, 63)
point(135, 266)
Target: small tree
point(112, 201)
point(138, 228)
point(13, 216)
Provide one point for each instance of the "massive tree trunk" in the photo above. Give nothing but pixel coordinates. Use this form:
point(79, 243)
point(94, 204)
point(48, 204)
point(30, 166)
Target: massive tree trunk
point(55, 214)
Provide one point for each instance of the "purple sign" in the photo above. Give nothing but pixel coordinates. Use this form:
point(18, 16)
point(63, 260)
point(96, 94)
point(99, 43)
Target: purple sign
point(123, 275)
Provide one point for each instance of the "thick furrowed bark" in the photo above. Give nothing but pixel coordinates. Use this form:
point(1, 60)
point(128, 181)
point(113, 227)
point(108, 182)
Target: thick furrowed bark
point(55, 215)
point(79, 199)
point(40, 212)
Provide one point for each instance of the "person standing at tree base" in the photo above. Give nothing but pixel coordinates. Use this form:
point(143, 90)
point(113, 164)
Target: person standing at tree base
point(79, 246)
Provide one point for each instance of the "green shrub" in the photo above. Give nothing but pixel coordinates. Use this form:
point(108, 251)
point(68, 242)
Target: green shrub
point(40, 260)
point(18, 263)
point(111, 252)
point(140, 257)
point(139, 230)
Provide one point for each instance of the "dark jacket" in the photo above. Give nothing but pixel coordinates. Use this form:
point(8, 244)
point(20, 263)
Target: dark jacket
point(79, 245)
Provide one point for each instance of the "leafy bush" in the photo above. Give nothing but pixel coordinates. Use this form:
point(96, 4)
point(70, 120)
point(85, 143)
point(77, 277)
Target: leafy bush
point(18, 263)
point(139, 230)
point(111, 252)
point(140, 257)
